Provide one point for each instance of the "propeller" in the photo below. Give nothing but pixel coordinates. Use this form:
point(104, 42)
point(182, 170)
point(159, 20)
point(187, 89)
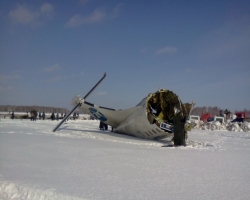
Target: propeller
point(79, 104)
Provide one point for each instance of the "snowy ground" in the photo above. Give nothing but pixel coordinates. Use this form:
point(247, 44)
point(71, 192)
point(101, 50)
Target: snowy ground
point(81, 162)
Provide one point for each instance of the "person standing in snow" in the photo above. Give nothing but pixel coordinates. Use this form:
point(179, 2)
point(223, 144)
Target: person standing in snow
point(105, 126)
point(74, 116)
point(35, 115)
point(101, 125)
point(43, 116)
point(52, 116)
point(12, 115)
point(179, 129)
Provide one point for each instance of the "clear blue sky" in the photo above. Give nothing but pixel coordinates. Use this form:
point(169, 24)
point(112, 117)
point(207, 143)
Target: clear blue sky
point(53, 50)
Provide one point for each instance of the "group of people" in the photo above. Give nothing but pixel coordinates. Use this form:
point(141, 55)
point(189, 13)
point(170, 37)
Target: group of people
point(226, 114)
point(56, 116)
point(34, 114)
point(103, 126)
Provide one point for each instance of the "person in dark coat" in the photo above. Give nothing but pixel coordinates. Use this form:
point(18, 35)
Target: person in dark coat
point(52, 116)
point(101, 125)
point(12, 115)
point(179, 129)
point(106, 126)
point(74, 116)
point(43, 116)
point(35, 115)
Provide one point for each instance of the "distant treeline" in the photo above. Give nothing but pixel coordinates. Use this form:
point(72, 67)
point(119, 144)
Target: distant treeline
point(10, 108)
point(46, 109)
point(212, 110)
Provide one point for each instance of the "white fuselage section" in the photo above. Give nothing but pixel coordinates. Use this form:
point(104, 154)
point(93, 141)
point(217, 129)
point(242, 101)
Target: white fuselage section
point(132, 121)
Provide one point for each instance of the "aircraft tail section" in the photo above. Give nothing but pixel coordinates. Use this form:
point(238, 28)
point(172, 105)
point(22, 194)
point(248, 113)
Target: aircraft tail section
point(109, 116)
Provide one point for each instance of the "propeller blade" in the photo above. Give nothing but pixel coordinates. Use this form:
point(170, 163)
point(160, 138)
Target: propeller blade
point(104, 75)
point(79, 104)
point(66, 117)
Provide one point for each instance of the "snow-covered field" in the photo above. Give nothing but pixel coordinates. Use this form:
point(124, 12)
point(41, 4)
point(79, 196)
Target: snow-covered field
point(81, 162)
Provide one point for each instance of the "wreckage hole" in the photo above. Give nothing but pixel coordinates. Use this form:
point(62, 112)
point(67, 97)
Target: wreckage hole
point(161, 107)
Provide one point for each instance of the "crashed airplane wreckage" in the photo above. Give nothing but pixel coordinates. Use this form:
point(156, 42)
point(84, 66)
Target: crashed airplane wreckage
point(159, 115)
